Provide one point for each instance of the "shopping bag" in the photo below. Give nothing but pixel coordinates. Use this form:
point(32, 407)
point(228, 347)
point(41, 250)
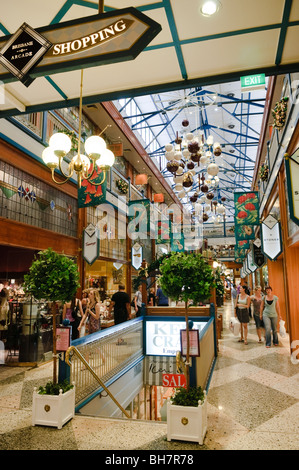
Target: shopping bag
point(234, 326)
point(282, 330)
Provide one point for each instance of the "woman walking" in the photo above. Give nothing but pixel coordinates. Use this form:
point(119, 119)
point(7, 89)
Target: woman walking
point(242, 313)
point(270, 313)
point(92, 313)
point(256, 300)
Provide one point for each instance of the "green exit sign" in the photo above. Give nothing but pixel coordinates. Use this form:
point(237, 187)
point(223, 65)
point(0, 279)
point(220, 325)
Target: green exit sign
point(253, 82)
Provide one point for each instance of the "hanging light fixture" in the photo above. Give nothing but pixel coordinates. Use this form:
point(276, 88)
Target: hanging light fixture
point(84, 165)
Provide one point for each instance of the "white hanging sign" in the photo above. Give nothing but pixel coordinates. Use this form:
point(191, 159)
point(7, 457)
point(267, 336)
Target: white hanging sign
point(250, 262)
point(136, 256)
point(271, 237)
point(292, 173)
point(91, 244)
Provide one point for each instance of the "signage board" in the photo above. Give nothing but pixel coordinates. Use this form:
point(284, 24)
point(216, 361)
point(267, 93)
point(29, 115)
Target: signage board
point(156, 366)
point(162, 338)
point(105, 38)
point(250, 262)
point(258, 255)
point(23, 51)
point(174, 380)
point(136, 256)
point(292, 173)
point(91, 244)
point(253, 82)
point(271, 237)
point(193, 343)
point(63, 338)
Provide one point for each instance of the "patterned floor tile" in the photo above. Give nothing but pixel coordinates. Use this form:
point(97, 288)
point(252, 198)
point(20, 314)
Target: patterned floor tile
point(249, 404)
point(283, 366)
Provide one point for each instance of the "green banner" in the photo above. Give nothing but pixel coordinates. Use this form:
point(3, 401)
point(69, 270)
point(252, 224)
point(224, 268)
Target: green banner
point(246, 208)
point(139, 218)
point(163, 232)
point(177, 244)
point(244, 232)
point(92, 193)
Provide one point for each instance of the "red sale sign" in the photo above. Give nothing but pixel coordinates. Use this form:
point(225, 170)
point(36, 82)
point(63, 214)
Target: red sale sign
point(173, 380)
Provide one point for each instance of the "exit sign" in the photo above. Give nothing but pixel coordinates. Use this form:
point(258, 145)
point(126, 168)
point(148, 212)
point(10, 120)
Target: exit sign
point(253, 82)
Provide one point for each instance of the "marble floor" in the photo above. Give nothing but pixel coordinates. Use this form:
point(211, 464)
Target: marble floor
point(253, 403)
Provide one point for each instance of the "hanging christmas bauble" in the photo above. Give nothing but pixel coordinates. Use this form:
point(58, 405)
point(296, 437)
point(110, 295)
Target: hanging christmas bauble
point(223, 199)
point(217, 150)
point(169, 155)
point(203, 159)
point(186, 153)
point(205, 217)
point(177, 156)
point(168, 147)
point(210, 196)
point(189, 136)
point(190, 165)
point(213, 169)
point(193, 147)
point(172, 166)
point(194, 197)
point(180, 171)
point(185, 123)
point(181, 194)
point(178, 187)
point(204, 188)
point(188, 180)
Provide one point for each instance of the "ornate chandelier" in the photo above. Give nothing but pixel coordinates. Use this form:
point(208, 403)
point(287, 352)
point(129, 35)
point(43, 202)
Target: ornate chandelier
point(98, 156)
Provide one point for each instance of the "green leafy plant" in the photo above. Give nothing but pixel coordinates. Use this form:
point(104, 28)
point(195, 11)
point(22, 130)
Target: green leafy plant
point(53, 389)
point(185, 277)
point(52, 277)
point(182, 397)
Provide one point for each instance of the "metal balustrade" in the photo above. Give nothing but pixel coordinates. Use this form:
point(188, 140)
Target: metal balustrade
point(108, 352)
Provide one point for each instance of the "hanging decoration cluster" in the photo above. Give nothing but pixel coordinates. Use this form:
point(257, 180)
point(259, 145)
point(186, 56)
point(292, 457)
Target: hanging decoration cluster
point(279, 113)
point(184, 158)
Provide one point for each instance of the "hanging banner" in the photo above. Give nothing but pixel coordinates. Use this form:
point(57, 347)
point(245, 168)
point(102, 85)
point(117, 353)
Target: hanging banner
point(292, 173)
point(163, 231)
point(177, 244)
point(139, 219)
point(136, 256)
point(91, 244)
point(93, 194)
point(246, 208)
point(271, 237)
point(240, 254)
point(258, 255)
point(244, 232)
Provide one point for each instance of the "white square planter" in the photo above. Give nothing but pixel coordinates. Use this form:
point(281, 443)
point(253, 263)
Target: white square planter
point(187, 423)
point(53, 410)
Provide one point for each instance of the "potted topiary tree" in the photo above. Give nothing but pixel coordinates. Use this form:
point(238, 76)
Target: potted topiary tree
point(187, 277)
point(52, 277)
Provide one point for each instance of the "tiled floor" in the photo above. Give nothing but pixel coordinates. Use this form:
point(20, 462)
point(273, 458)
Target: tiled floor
point(253, 403)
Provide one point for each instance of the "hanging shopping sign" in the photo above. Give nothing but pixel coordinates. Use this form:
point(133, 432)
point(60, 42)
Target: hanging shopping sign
point(139, 219)
point(101, 39)
point(292, 173)
point(271, 237)
point(91, 244)
point(246, 208)
point(258, 256)
point(136, 256)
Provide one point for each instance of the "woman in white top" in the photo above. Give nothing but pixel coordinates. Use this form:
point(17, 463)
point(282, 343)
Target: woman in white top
point(242, 306)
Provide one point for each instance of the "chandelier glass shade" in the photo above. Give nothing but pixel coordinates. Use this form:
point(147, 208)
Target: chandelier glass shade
point(97, 154)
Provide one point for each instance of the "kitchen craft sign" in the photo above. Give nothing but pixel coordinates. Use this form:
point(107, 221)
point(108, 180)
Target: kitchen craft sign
point(101, 39)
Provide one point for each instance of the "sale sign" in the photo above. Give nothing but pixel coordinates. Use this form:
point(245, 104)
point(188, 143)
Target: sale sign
point(173, 380)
